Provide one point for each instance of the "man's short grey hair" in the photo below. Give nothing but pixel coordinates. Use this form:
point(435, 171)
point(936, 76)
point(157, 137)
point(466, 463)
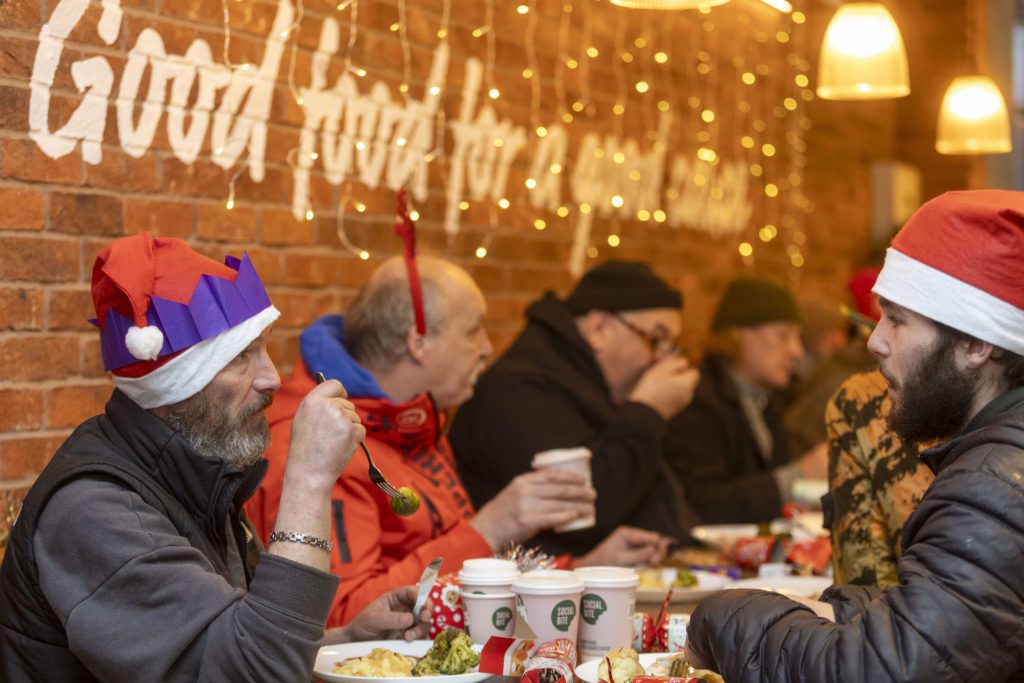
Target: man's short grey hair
point(378, 321)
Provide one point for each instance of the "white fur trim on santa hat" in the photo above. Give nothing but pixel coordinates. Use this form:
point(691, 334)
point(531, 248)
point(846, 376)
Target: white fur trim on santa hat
point(934, 294)
point(144, 342)
point(188, 373)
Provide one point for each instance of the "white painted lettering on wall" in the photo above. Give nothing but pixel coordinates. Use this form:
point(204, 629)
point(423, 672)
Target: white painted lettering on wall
point(366, 136)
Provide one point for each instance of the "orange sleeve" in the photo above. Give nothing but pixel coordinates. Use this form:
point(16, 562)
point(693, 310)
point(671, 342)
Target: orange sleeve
point(365, 577)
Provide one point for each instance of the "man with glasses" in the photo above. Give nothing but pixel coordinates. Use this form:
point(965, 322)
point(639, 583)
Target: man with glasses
point(598, 369)
point(729, 446)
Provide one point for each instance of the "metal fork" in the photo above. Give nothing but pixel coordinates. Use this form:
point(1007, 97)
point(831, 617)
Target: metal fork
point(375, 474)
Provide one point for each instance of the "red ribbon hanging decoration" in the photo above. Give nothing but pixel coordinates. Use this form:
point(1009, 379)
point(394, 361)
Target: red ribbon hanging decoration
point(406, 229)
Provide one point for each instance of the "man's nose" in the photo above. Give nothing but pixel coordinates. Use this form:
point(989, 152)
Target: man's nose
point(876, 344)
point(267, 378)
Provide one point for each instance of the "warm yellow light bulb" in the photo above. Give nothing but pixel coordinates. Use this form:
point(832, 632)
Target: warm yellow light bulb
point(556, 168)
point(414, 215)
point(613, 240)
point(463, 205)
point(481, 252)
point(494, 93)
point(309, 214)
point(660, 216)
point(562, 211)
point(660, 57)
point(365, 255)
point(642, 86)
point(540, 224)
point(746, 249)
point(617, 201)
point(592, 52)
point(530, 183)
point(522, 9)
point(503, 203)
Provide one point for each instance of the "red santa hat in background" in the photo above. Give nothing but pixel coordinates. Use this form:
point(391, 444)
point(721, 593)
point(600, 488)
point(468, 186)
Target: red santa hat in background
point(959, 260)
point(170, 318)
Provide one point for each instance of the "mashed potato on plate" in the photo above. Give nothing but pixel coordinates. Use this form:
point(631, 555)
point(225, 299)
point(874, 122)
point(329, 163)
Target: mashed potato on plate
point(380, 663)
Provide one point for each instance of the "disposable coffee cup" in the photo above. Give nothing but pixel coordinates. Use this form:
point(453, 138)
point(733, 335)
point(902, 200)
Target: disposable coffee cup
point(489, 614)
point(549, 600)
point(487, 575)
point(606, 609)
point(568, 460)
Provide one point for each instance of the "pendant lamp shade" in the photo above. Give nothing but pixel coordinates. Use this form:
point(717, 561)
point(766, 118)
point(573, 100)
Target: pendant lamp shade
point(862, 56)
point(973, 118)
point(667, 4)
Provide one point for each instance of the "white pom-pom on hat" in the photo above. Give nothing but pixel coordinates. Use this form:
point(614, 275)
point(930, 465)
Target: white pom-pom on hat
point(144, 342)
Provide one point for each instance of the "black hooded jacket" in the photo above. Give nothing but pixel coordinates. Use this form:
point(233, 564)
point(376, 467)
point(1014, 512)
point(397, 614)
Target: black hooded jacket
point(958, 611)
point(547, 391)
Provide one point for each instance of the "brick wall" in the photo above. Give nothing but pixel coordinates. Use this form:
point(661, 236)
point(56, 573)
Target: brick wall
point(57, 213)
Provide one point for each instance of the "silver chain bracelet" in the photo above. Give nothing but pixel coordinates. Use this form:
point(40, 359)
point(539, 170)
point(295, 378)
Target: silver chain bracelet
point(314, 541)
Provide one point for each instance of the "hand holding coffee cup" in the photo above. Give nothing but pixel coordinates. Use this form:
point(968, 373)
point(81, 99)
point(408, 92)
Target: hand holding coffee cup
point(535, 501)
point(575, 460)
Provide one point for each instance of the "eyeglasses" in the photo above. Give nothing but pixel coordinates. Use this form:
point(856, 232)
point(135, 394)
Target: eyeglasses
point(661, 347)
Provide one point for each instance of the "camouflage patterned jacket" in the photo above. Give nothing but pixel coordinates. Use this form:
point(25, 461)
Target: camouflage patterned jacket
point(875, 482)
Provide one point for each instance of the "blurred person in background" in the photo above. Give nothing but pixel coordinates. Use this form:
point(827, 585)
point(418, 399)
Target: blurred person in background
point(729, 446)
point(598, 369)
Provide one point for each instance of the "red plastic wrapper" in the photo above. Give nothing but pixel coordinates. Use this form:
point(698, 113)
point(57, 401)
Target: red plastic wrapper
point(751, 553)
point(671, 635)
point(811, 557)
point(553, 662)
point(505, 656)
point(447, 598)
point(643, 632)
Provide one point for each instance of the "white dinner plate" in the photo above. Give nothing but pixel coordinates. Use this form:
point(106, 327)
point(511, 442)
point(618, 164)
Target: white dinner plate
point(800, 586)
point(719, 535)
point(707, 583)
point(587, 671)
point(330, 655)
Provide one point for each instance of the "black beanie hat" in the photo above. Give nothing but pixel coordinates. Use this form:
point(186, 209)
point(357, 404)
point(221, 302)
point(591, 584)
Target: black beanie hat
point(622, 286)
point(750, 301)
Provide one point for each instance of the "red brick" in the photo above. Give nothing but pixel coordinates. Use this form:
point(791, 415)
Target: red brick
point(301, 307)
point(20, 15)
point(167, 219)
point(216, 223)
point(35, 357)
point(269, 264)
point(86, 214)
point(70, 309)
point(70, 406)
point(20, 409)
point(21, 308)
point(278, 226)
point(91, 357)
point(198, 179)
point(13, 107)
point(122, 172)
point(27, 456)
point(311, 269)
point(17, 56)
point(24, 208)
point(39, 259)
point(23, 160)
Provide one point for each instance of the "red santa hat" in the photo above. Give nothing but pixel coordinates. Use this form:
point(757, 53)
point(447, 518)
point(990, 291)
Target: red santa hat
point(959, 260)
point(170, 318)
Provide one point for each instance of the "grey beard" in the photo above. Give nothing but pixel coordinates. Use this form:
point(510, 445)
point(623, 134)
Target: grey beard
point(207, 428)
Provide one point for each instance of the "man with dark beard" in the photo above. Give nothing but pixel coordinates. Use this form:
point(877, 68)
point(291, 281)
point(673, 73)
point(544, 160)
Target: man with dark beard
point(951, 345)
point(131, 558)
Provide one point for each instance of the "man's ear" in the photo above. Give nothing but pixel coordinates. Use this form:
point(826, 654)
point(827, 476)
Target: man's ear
point(976, 353)
point(416, 344)
point(594, 327)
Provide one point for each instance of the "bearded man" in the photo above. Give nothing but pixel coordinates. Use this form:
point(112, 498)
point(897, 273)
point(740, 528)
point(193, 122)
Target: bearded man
point(951, 345)
point(131, 558)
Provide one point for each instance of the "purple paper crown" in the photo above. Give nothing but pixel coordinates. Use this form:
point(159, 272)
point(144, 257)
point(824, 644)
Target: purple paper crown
point(216, 305)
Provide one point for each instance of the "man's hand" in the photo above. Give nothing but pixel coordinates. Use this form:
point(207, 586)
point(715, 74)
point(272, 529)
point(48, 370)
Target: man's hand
point(325, 433)
point(625, 547)
point(532, 502)
point(382, 618)
point(667, 386)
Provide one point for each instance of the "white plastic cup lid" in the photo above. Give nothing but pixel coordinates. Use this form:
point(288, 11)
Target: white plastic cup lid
point(608, 577)
point(559, 456)
point(548, 582)
point(488, 571)
point(488, 596)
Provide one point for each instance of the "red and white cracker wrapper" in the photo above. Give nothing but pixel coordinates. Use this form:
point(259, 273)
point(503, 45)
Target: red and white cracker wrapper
point(505, 656)
point(553, 662)
point(643, 632)
point(672, 632)
point(447, 599)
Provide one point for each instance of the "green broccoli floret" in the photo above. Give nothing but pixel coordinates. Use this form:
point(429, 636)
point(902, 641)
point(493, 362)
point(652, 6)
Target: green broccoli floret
point(460, 657)
point(434, 662)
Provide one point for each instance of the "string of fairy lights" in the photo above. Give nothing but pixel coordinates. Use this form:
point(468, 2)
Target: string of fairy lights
point(741, 115)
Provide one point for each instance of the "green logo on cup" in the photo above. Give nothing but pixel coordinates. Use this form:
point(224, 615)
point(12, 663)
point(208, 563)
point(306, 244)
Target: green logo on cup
point(501, 617)
point(592, 607)
point(563, 614)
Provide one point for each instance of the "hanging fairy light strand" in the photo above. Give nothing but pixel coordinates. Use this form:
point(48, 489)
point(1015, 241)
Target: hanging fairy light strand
point(403, 36)
point(532, 71)
point(340, 226)
point(564, 62)
point(586, 42)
